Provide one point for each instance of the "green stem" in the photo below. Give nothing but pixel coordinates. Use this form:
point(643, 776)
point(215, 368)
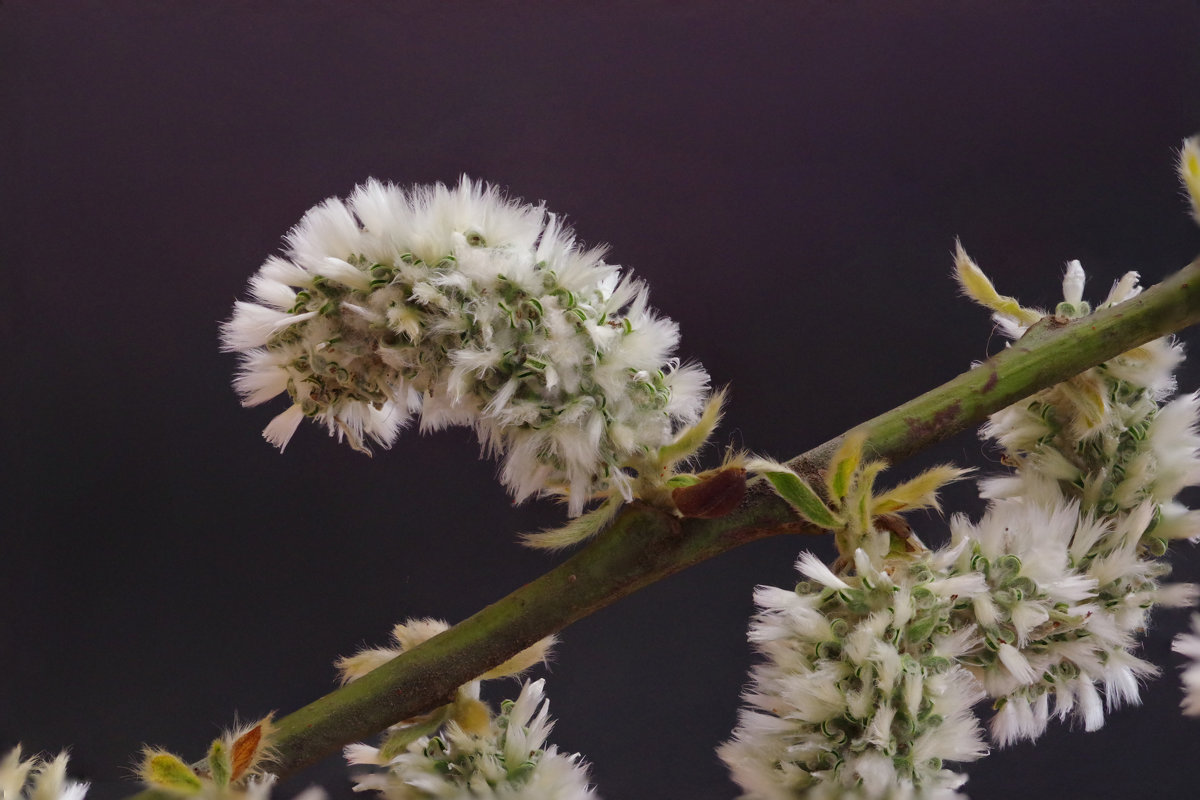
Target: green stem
point(1049, 353)
point(645, 544)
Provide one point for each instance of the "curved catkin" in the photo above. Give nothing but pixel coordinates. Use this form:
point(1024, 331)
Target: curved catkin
point(872, 671)
point(462, 307)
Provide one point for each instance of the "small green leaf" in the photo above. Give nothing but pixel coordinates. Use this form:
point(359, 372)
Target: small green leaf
point(693, 437)
point(792, 488)
point(169, 772)
point(682, 480)
point(845, 462)
point(581, 528)
point(839, 482)
point(219, 764)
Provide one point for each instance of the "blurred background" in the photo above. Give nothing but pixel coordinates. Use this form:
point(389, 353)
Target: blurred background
point(788, 176)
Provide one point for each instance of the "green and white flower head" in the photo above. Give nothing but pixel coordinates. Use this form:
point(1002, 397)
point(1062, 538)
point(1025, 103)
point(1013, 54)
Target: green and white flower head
point(508, 760)
point(37, 779)
point(860, 694)
point(1057, 620)
point(1071, 542)
point(464, 308)
point(871, 668)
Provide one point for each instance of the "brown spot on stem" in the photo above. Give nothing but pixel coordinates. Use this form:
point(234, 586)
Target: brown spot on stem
point(920, 430)
point(992, 380)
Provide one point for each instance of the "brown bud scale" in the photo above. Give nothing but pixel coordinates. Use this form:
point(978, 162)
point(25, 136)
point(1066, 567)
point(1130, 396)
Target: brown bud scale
point(714, 497)
point(244, 750)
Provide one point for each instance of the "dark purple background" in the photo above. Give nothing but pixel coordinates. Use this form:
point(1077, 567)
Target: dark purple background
point(789, 177)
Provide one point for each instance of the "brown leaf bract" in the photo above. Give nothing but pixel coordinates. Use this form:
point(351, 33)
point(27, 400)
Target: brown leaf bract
point(714, 497)
point(244, 750)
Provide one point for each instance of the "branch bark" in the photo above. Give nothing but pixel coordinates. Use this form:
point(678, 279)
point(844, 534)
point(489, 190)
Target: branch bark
point(645, 544)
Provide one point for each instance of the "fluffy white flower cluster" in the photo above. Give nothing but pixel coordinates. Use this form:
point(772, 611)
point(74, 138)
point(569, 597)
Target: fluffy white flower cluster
point(1067, 595)
point(1071, 542)
point(507, 760)
point(37, 779)
point(861, 695)
point(466, 308)
point(871, 675)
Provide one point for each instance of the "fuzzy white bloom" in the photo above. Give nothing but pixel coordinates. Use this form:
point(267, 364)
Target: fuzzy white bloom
point(509, 760)
point(1188, 645)
point(1059, 618)
point(871, 668)
point(860, 695)
point(1071, 542)
point(1073, 282)
point(465, 308)
point(37, 779)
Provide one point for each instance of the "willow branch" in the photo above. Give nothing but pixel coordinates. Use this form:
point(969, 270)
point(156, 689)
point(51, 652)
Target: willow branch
point(645, 544)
